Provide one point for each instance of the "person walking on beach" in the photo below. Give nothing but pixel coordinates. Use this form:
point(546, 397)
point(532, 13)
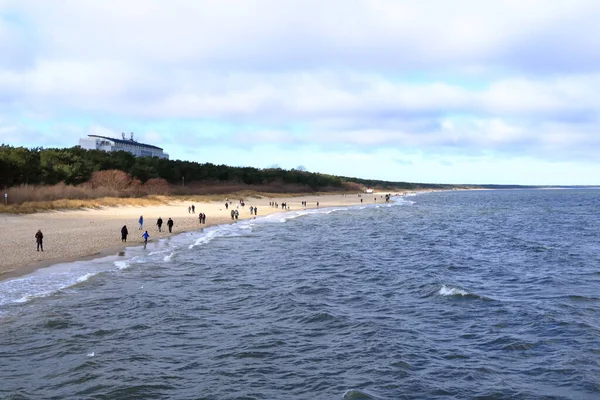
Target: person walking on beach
point(170, 224)
point(39, 237)
point(141, 222)
point(159, 224)
point(124, 233)
point(193, 209)
point(145, 236)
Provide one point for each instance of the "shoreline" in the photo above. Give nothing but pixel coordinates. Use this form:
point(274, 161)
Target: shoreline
point(76, 235)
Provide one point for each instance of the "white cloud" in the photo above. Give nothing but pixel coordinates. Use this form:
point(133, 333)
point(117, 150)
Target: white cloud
point(464, 77)
point(298, 34)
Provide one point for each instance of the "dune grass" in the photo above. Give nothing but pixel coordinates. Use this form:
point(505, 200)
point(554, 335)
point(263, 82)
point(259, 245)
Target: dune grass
point(57, 204)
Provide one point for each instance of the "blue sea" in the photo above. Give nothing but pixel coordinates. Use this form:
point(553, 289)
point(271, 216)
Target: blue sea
point(447, 295)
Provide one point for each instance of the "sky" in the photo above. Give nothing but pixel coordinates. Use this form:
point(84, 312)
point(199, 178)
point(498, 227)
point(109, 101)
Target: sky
point(430, 91)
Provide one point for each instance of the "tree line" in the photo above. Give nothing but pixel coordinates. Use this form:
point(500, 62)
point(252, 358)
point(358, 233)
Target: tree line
point(74, 166)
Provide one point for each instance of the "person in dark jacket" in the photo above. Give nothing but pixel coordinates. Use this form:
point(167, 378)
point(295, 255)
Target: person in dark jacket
point(124, 233)
point(170, 224)
point(39, 236)
point(159, 224)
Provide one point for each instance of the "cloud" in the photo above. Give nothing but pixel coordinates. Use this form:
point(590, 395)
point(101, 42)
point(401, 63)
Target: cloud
point(469, 78)
point(264, 35)
point(402, 162)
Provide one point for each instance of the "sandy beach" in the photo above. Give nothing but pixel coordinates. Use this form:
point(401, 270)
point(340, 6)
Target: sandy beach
point(80, 234)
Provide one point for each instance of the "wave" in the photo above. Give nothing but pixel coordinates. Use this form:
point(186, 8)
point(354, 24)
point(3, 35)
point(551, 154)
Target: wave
point(50, 280)
point(122, 264)
point(85, 277)
point(355, 394)
point(23, 290)
point(221, 231)
point(204, 239)
point(582, 298)
point(449, 291)
point(245, 227)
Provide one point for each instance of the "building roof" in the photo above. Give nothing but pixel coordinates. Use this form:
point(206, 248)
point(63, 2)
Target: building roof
point(127, 141)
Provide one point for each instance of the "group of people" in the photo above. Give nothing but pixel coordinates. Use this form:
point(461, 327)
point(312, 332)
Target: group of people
point(159, 223)
point(191, 209)
point(145, 235)
point(285, 206)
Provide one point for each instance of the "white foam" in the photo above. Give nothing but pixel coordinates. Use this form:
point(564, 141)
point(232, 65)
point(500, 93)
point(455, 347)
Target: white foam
point(241, 228)
point(334, 210)
point(47, 281)
point(122, 264)
point(23, 299)
point(451, 291)
point(169, 257)
point(137, 260)
point(85, 277)
point(206, 238)
point(92, 354)
point(294, 215)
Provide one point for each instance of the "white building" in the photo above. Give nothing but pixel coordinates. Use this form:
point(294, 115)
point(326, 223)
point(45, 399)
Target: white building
point(95, 142)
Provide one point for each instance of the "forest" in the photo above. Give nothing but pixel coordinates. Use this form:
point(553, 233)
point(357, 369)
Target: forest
point(75, 166)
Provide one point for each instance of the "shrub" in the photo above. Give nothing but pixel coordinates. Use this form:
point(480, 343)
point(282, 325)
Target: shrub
point(112, 179)
point(157, 186)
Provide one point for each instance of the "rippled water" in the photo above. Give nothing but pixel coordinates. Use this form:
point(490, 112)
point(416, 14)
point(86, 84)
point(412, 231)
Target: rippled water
point(488, 294)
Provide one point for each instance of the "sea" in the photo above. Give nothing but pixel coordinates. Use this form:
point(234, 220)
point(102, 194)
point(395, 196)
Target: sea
point(448, 295)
